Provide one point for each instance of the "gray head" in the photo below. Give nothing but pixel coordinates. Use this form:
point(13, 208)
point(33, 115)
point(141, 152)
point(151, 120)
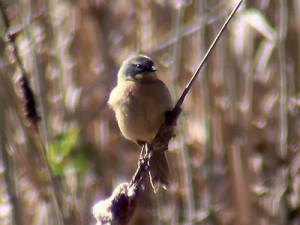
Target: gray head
point(137, 67)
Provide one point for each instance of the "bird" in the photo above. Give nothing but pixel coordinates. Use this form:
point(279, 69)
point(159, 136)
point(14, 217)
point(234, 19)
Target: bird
point(140, 101)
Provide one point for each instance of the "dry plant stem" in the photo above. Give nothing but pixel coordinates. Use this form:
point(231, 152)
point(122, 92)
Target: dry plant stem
point(28, 101)
point(120, 206)
point(206, 114)
point(184, 157)
point(143, 167)
point(282, 29)
point(190, 28)
point(165, 132)
point(189, 85)
point(105, 211)
point(29, 107)
point(36, 72)
point(8, 174)
point(283, 112)
point(10, 183)
point(29, 161)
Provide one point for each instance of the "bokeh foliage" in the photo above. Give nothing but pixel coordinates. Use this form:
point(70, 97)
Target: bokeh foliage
point(236, 156)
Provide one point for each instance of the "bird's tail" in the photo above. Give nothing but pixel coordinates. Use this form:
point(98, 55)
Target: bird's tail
point(159, 170)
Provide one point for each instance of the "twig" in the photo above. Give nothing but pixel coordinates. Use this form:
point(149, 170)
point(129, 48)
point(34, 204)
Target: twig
point(119, 207)
point(143, 166)
point(165, 132)
point(212, 46)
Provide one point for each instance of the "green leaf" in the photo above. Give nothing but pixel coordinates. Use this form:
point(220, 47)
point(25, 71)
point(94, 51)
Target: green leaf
point(60, 149)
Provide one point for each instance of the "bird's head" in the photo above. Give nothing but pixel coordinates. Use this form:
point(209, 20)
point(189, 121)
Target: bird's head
point(138, 67)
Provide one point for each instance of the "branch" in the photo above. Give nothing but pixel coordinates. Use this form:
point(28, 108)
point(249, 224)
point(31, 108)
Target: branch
point(119, 207)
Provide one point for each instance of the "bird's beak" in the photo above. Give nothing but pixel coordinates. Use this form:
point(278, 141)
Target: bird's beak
point(153, 69)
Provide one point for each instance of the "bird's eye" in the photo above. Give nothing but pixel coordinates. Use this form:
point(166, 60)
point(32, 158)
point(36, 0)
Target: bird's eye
point(139, 66)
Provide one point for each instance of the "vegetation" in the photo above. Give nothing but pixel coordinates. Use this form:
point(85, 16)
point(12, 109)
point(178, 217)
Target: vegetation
point(236, 156)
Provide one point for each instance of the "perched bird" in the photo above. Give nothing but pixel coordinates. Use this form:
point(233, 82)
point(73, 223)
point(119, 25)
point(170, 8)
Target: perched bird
point(140, 101)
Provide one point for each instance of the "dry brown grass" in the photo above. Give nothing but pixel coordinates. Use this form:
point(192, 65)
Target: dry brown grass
point(236, 156)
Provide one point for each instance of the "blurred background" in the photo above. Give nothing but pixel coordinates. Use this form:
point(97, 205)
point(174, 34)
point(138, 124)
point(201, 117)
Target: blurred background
point(235, 159)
